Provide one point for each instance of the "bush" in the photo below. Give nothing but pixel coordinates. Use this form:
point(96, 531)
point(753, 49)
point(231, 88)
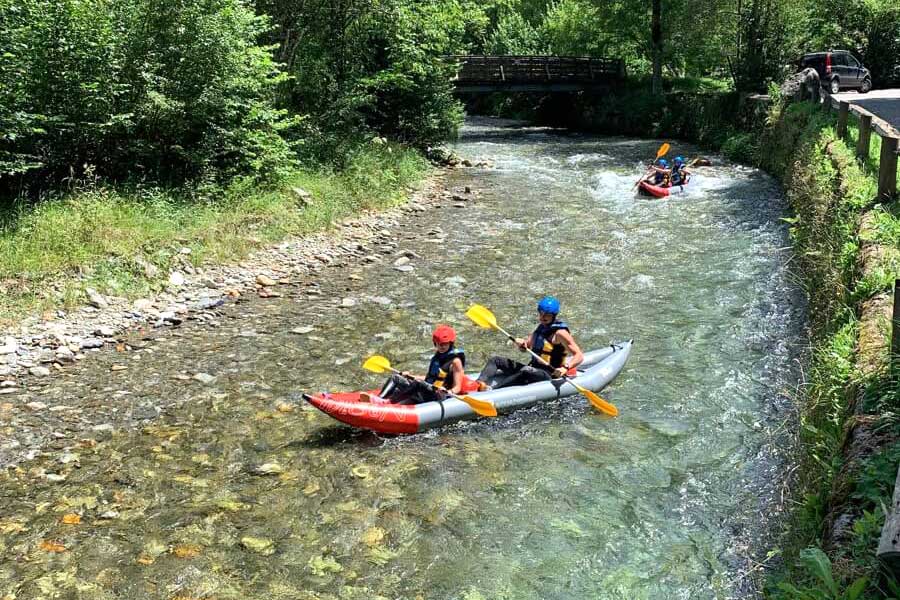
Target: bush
point(157, 89)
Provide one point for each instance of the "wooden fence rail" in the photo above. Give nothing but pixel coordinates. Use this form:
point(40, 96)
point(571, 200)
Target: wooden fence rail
point(869, 123)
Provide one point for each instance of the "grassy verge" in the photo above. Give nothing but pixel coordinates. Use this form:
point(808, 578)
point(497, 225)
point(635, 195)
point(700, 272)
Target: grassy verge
point(845, 476)
point(105, 237)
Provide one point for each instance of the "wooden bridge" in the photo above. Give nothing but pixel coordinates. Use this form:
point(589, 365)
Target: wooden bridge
point(483, 74)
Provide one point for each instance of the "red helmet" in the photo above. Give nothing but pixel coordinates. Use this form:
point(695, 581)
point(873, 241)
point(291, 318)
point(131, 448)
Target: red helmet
point(443, 334)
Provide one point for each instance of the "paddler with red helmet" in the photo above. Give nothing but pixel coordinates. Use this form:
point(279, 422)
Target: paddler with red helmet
point(445, 372)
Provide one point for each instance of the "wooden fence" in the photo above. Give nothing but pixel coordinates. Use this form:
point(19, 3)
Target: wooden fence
point(868, 124)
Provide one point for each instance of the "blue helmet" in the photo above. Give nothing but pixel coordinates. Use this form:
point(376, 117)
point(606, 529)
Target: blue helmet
point(549, 304)
point(679, 160)
point(663, 163)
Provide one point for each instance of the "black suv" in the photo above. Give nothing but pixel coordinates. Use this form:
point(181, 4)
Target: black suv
point(838, 69)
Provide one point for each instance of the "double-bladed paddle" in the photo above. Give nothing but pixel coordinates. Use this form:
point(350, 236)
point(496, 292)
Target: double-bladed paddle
point(663, 150)
point(483, 317)
point(380, 364)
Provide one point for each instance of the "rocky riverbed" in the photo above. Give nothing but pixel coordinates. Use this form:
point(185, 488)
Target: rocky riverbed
point(319, 268)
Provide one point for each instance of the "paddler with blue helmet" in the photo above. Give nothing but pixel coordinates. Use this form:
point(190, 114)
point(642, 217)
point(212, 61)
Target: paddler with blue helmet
point(660, 173)
point(680, 174)
point(551, 340)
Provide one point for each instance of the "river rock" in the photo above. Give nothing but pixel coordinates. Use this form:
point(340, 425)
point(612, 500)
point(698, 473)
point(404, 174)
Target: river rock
point(262, 546)
point(36, 406)
point(39, 371)
point(204, 378)
point(96, 299)
point(348, 302)
point(142, 304)
point(105, 331)
point(268, 469)
point(404, 268)
point(45, 357)
point(403, 260)
point(91, 343)
point(176, 279)
point(265, 280)
point(210, 303)
point(64, 355)
point(10, 345)
point(303, 330)
point(7, 384)
point(151, 271)
point(302, 196)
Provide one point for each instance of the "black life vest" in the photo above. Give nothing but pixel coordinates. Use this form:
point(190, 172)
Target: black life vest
point(440, 371)
point(555, 354)
point(678, 176)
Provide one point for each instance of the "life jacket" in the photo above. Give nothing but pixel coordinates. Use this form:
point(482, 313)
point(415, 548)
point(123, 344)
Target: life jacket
point(541, 343)
point(440, 370)
point(678, 176)
point(661, 179)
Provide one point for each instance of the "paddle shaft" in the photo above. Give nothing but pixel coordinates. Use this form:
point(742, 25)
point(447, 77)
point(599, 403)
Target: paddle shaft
point(431, 385)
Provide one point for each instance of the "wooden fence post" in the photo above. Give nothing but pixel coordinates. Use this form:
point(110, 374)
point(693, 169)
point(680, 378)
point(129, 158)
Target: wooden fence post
point(889, 544)
point(895, 329)
point(887, 170)
point(865, 137)
point(843, 113)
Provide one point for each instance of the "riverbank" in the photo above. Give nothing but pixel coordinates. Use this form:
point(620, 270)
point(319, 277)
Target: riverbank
point(81, 271)
point(848, 249)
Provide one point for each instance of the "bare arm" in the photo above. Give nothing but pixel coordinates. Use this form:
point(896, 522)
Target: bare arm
point(456, 367)
point(576, 356)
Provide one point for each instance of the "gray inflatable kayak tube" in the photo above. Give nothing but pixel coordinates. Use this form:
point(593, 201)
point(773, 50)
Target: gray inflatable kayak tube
point(599, 368)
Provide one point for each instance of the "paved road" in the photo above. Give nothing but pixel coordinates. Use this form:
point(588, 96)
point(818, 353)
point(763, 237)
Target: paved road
point(883, 103)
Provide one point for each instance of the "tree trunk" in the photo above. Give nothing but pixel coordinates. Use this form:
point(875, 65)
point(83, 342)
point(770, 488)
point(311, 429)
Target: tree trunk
point(656, 43)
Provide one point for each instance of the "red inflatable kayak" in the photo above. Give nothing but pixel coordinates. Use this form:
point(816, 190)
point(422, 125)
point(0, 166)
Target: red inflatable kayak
point(648, 189)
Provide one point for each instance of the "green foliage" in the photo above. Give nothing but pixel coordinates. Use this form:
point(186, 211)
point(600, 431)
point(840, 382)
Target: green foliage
point(513, 34)
point(363, 68)
point(165, 90)
point(823, 585)
point(569, 28)
point(107, 234)
point(742, 147)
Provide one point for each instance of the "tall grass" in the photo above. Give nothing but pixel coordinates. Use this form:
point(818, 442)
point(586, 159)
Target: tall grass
point(103, 237)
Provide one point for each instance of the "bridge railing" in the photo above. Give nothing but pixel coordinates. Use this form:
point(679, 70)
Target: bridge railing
point(500, 70)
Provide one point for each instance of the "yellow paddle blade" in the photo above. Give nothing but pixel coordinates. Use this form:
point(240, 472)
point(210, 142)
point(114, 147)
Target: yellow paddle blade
point(663, 150)
point(377, 364)
point(598, 402)
point(482, 317)
point(481, 407)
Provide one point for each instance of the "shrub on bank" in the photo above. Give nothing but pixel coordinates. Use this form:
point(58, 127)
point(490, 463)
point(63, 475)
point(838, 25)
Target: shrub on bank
point(141, 89)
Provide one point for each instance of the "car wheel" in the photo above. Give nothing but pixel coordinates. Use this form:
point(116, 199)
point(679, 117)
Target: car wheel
point(866, 86)
point(834, 86)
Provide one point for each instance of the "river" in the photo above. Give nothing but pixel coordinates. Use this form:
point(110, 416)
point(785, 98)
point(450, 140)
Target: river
point(233, 488)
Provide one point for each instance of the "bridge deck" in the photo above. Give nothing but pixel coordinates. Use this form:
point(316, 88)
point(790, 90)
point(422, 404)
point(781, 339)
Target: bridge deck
point(535, 73)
